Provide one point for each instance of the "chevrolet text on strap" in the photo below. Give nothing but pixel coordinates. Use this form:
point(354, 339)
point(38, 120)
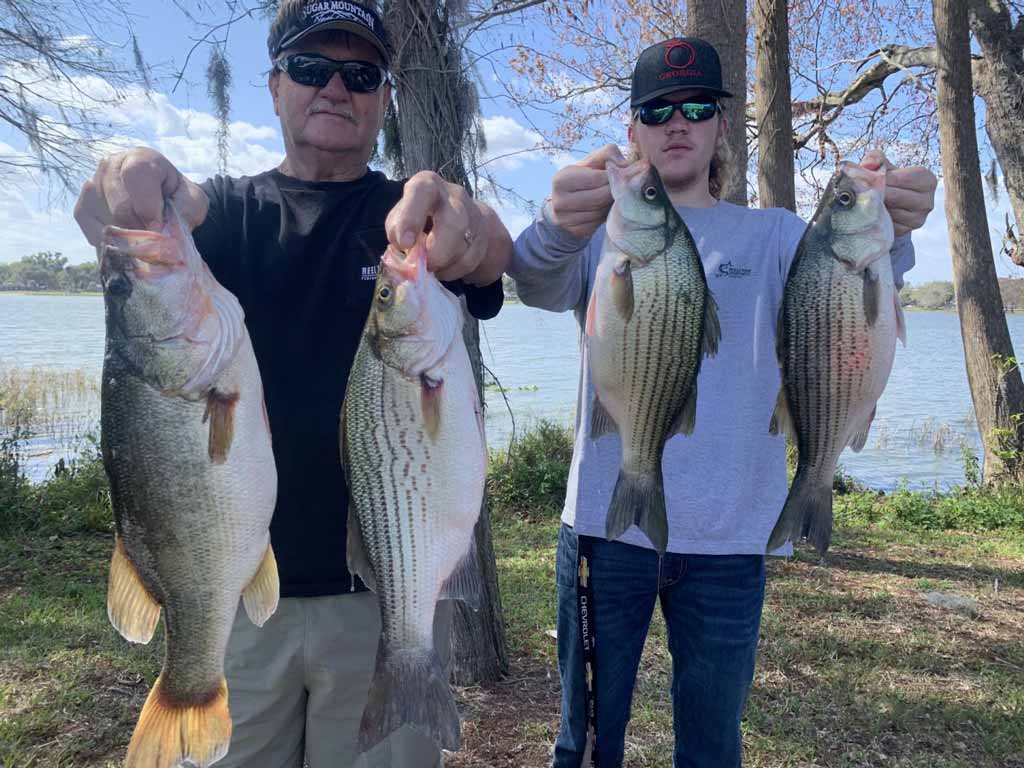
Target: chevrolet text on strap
point(588, 638)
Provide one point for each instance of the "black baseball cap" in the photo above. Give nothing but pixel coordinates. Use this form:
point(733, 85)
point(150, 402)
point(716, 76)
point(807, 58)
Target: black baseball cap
point(676, 64)
point(298, 18)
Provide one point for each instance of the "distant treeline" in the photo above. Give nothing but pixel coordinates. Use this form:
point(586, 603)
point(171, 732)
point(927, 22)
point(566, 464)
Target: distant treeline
point(935, 295)
point(939, 295)
point(49, 271)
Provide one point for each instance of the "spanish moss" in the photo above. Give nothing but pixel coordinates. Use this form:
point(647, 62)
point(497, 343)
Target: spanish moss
point(218, 86)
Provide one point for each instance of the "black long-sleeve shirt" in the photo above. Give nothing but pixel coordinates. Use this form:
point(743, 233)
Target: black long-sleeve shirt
point(302, 259)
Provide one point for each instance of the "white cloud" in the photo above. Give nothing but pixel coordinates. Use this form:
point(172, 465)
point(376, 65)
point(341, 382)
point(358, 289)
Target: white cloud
point(509, 144)
point(188, 137)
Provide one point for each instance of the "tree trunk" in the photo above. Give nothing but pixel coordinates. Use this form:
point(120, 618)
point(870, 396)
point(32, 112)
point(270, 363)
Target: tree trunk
point(773, 106)
point(723, 23)
point(1000, 82)
point(436, 106)
point(995, 381)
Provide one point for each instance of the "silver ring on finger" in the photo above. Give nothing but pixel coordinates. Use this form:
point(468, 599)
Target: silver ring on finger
point(468, 236)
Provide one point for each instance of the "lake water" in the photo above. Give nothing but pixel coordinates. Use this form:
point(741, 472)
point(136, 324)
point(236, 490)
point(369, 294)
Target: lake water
point(535, 356)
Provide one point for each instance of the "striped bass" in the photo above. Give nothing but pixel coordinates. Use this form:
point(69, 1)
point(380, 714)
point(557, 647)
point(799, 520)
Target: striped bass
point(186, 446)
point(650, 321)
point(412, 444)
point(836, 339)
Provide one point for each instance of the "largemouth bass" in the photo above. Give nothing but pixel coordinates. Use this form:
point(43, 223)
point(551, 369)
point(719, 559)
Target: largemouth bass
point(186, 446)
point(836, 339)
point(415, 460)
point(650, 321)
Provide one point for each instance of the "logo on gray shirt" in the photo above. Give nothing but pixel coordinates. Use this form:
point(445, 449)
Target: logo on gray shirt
point(726, 269)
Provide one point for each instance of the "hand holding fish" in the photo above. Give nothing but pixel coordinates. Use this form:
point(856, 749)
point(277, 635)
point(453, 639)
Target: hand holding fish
point(128, 190)
point(465, 238)
point(580, 194)
point(909, 192)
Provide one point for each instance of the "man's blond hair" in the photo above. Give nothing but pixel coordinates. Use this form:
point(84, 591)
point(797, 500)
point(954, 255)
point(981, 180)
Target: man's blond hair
point(723, 164)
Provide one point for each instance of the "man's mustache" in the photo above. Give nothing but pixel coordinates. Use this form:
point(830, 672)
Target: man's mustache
point(317, 108)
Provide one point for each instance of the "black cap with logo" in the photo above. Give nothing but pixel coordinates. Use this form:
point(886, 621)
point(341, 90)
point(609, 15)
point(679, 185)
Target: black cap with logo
point(676, 64)
point(298, 18)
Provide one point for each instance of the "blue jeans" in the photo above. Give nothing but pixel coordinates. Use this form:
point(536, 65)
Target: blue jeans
point(712, 608)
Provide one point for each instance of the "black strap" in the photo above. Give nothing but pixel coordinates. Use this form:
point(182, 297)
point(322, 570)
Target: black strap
point(588, 638)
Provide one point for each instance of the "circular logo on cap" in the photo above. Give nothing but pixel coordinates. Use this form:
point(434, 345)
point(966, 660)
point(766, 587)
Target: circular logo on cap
point(679, 54)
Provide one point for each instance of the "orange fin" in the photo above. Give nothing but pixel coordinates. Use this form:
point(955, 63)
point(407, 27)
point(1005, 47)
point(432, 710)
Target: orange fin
point(592, 314)
point(261, 595)
point(131, 609)
point(431, 391)
point(169, 734)
point(220, 412)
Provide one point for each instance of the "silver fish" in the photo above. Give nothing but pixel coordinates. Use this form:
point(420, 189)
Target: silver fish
point(836, 339)
point(186, 446)
point(415, 461)
point(650, 321)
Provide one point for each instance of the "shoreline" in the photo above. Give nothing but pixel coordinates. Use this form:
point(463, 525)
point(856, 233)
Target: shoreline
point(50, 293)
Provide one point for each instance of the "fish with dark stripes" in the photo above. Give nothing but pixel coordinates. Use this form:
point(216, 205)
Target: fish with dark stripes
point(412, 444)
point(186, 447)
point(836, 339)
point(651, 320)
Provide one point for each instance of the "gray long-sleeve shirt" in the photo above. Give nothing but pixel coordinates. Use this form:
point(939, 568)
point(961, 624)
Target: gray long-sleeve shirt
point(726, 483)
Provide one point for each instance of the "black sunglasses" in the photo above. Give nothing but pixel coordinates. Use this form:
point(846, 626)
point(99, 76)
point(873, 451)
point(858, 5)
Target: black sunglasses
point(659, 112)
point(316, 71)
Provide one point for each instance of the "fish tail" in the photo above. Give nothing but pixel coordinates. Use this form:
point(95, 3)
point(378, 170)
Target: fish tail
point(639, 498)
point(807, 512)
point(410, 687)
point(169, 733)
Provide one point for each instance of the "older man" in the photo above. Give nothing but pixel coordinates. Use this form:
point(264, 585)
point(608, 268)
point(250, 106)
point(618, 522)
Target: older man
point(299, 246)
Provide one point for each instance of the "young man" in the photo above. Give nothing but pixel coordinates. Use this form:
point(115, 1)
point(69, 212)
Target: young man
point(725, 484)
point(299, 246)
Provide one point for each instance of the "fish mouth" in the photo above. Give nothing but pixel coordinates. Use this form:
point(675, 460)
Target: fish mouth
point(621, 177)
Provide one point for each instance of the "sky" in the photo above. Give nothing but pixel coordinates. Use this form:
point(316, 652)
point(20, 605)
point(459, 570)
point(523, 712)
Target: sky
point(34, 216)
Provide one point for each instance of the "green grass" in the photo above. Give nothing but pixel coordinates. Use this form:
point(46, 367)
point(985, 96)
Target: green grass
point(855, 668)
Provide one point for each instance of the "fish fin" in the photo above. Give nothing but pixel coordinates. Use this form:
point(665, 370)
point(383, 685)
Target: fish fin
point(858, 440)
point(465, 583)
point(431, 391)
point(622, 289)
point(261, 595)
point(712, 328)
point(807, 512)
point(592, 314)
point(901, 321)
point(355, 551)
point(132, 610)
point(220, 412)
point(639, 499)
point(782, 419)
point(601, 422)
point(169, 734)
point(872, 296)
point(687, 419)
point(409, 687)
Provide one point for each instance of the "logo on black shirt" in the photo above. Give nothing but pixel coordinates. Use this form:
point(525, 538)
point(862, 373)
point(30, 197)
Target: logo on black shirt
point(369, 273)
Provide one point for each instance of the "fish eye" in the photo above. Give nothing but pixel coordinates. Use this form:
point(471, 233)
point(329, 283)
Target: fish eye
point(845, 199)
point(384, 294)
point(650, 192)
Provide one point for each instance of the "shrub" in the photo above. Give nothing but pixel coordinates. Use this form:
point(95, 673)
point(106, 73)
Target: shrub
point(529, 480)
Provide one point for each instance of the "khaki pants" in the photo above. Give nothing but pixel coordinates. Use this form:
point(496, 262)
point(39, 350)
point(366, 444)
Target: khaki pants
point(297, 687)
